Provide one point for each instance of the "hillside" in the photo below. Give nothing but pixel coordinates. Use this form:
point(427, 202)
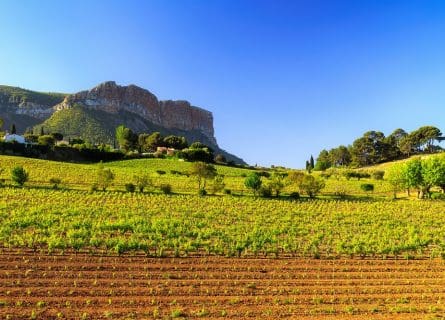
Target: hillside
point(26, 108)
point(94, 114)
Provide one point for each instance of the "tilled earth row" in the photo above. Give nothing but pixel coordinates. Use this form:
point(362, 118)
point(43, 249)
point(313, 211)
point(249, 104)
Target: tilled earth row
point(83, 286)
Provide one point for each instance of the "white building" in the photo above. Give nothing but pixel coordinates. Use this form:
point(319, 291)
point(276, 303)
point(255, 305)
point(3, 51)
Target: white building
point(14, 137)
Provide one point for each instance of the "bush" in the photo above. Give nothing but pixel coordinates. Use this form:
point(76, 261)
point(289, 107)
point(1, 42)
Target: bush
point(294, 196)
point(55, 182)
point(166, 188)
point(202, 192)
point(378, 175)
point(160, 172)
point(47, 140)
point(227, 191)
point(265, 192)
point(130, 187)
point(19, 175)
point(438, 196)
point(367, 187)
point(94, 187)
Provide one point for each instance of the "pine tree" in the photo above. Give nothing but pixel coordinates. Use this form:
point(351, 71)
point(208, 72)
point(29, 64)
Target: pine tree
point(42, 132)
point(312, 163)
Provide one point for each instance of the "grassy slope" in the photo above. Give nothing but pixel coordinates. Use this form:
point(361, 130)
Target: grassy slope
point(43, 98)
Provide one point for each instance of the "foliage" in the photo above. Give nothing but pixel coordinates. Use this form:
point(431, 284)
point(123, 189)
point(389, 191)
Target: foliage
point(253, 181)
point(165, 188)
point(142, 182)
point(367, 187)
point(130, 187)
point(19, 175)
point(311, 185)
point(55, 182)
point(46, 140)
point(105, 177)
point(203, 172)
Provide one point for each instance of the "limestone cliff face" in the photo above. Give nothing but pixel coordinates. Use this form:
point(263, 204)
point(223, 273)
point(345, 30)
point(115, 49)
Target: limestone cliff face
point(112, 98)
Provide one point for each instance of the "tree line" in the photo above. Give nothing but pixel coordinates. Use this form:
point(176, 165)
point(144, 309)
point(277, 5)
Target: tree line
point(374, 147)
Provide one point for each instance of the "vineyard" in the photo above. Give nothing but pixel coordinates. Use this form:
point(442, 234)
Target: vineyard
point(73, 253)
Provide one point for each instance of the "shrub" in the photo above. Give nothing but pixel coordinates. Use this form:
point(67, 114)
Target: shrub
point(160, 172)
point(202, 192)
point(142, 182)
point(94, 187)
point(438, 196)
point(166, 188)
point(378, 174)
point(253, 181)
point(105, 177)
point(265, 192)
point(367, 187)
point(311, 185)
point(130, 187)
point(55, 182)
point(47, 140)
point(19, 175)
point(227, 191)
point(294, 196)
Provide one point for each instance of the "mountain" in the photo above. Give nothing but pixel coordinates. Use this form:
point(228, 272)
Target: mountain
point(94, 114)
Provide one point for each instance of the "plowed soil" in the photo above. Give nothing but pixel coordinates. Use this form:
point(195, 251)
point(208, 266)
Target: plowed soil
point(82, 286)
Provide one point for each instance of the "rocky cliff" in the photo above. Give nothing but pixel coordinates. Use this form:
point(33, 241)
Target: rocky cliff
point(112, 98)
point(94, 114)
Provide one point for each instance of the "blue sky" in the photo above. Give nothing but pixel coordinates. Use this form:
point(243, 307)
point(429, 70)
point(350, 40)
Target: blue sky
point(284, 79)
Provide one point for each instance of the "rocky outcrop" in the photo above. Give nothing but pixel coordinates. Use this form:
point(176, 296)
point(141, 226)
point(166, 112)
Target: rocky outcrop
point(112, 98)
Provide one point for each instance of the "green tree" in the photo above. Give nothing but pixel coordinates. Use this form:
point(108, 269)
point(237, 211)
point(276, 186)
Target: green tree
point(203, 172)
point(253, 181)
point(311, 185)
point(433, 174)
point(19, 175)
point(13, 129)
point(413, 172)
point(339, 156)
point(397, 178)
point(46, 140)
point(218, 184)
point(277, 183)
point(323, 161)
point(175, 142)
point(1, 123)
point(142, 182)
point(126, 138)
point(105, 177)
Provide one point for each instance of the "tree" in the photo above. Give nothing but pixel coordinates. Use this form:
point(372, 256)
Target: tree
point(46, 140)
point(19, 175)
point(218, 184)
point(42, 132)
point(203, 172)
point(433, 174)
point(175, 142)
point(311, 162)
point(413, 172)
point(311, 185)
point(369, 149)
point(253, 181)
point(340, 156)
point(105, 177)
point(13, 129)
point(1, 123)
point(149, 143)
point(277, 183)
point(57, 136)
point(323, 161)
point(126, 138)
point(142, 181)
point(396, 176)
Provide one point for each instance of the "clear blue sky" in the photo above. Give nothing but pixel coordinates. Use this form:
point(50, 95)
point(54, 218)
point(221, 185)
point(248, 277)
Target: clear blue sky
point(284, 79)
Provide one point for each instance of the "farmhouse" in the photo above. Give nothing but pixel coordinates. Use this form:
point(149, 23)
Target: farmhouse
point(14, 137)
point(165, 150)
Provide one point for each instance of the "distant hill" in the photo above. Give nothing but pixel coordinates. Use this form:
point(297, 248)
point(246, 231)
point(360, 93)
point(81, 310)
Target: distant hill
point(94, 114)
